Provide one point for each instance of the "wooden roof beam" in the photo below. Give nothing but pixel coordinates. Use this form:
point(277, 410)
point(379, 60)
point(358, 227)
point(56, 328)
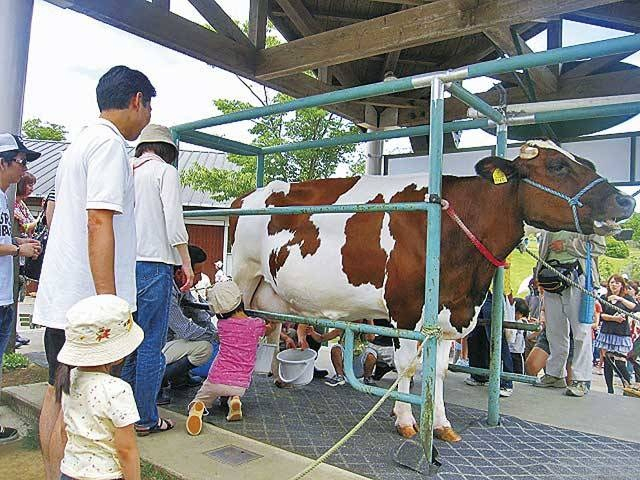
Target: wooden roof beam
point(321, 15)
point(587, 67)
point(307, 26)
point(621, 16)
point(544, 79)
point(258, 23)
point(220, 21)
point(430, 23)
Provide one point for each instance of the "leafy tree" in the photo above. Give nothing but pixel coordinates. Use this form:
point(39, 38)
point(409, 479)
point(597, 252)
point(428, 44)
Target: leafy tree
point(302, 125)
point(37, 129)
point(605, 269)
point(634, 224)
point(616, 248)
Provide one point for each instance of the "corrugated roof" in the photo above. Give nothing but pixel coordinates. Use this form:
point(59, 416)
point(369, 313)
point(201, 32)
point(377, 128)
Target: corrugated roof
point(44, 169)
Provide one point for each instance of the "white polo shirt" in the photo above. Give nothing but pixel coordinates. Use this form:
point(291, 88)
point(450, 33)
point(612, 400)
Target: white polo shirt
point(94, 173)
point(6, 261)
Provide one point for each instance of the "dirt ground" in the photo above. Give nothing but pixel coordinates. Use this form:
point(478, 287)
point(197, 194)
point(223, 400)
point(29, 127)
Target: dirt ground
point(20, 461)
point(23, 376)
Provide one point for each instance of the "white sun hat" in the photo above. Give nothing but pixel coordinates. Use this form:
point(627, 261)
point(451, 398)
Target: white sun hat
point(100, 330)
point(156, 133)
point(224, 297)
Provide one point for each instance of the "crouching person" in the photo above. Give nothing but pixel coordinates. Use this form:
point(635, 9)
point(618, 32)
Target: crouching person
point(230, 373)
point(191, 336)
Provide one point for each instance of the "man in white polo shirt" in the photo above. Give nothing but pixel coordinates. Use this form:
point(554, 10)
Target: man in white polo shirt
point(92, 243)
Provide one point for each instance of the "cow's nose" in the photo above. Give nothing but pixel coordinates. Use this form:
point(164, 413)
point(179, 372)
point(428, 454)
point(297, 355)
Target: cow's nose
point(627, 202)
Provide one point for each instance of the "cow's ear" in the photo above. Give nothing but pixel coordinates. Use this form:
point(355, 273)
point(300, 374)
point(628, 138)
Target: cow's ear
point(497, 170)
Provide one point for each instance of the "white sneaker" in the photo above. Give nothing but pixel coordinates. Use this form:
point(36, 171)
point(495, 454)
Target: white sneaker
point(506, 392)
point(472, 382)
point(462, 362)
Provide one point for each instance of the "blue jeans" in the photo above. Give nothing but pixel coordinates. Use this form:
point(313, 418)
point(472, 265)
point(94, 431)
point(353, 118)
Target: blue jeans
point(144, 368)
point(6, 328)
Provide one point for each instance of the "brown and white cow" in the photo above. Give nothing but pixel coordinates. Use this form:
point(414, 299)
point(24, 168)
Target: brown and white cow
point(372, 265)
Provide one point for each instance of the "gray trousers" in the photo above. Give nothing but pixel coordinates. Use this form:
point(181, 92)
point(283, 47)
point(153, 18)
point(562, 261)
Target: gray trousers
point(197, 351)
point(562, 310)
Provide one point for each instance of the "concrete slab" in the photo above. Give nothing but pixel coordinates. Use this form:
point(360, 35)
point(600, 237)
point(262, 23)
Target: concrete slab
point(186, 457)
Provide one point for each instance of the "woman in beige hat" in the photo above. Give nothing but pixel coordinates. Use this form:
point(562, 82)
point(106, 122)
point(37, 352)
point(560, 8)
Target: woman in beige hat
point(161, 244)
point(99, 410)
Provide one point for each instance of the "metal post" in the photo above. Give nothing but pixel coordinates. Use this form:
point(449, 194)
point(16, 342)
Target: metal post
point(497, 315)
point(374, 157)
point(260, 171)
point(432, 271)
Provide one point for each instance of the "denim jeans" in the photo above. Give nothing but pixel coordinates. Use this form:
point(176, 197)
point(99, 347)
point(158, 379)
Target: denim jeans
point(144, 368)
point(6, 328)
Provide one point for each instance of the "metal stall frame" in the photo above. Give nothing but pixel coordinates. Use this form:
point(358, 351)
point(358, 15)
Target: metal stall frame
point(437, 81)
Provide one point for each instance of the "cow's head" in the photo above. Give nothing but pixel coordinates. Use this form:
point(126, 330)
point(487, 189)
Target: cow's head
point(548, 177)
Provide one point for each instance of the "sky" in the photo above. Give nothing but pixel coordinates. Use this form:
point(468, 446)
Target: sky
point(70, 51)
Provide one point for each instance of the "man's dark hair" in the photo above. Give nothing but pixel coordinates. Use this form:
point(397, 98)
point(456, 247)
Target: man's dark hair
point(521, 307)
point(197, 255)
point(116, 88)
point(164, 150)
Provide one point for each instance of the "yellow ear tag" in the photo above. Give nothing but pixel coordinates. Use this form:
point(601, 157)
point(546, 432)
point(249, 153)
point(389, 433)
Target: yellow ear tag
point(499, 177)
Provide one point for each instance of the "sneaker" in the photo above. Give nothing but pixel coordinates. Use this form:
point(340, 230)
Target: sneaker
point(335, 381)
point(462, 362)
point(235, 409)
point(194, 422)
point(506, 392)
point(22, 340)
point(549, 381)
point(577, 389)
point(368, 381)
point(8, 434)
point(472, 382)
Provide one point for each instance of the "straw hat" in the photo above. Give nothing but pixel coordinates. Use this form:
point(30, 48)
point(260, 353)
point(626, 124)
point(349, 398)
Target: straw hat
point(100, 330)
point(224, 297)
point(156, 133)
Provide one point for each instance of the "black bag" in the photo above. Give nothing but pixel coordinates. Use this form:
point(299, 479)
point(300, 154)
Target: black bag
point(33, 266)
point(551, 282)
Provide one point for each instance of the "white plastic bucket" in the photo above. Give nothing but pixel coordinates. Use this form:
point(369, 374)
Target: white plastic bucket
point(296, 366)
point(264, 357)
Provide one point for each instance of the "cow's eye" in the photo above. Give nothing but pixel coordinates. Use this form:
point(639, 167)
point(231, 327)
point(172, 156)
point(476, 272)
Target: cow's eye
point(557, 167)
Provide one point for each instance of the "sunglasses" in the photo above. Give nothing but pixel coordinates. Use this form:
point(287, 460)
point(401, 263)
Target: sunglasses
point(23, 162)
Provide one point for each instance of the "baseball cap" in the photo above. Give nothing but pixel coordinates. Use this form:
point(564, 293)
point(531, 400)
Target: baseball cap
point(13, 143)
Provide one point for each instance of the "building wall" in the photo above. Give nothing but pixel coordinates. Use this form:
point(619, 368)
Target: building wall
point(211, 239)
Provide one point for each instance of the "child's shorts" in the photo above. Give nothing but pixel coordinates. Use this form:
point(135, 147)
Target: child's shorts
point(358, 361)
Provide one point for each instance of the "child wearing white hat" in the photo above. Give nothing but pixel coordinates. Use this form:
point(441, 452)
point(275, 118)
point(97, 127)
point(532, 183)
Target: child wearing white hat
point(230, 372)
point(99, 410)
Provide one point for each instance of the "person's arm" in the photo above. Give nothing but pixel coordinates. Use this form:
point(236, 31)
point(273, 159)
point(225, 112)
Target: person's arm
point(48, 213)
point(578, 245)
point(330, 335)
point(617, 318)
point(127, 451)
point(269, 327)
point(288, 341)
point(185, 258)
point(27, 247)
point(101, 247)
point(369, 337)
point(174, 221)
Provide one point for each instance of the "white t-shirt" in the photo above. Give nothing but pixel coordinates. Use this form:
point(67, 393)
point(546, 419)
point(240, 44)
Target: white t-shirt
point(97, 404)
point(6, 261)
point(159, 220)
point(94, 173)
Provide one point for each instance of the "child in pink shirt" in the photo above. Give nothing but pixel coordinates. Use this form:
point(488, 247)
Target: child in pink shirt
point(230, 373)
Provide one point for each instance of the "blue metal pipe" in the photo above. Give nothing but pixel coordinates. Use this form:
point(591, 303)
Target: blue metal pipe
point(476, 102)
point(260, 171)
point(495, 362)
point(314, 210)
point(514, 377)
point(218, 143)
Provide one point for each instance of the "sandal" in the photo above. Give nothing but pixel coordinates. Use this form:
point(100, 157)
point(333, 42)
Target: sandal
point(164, 425)
point(194, 422)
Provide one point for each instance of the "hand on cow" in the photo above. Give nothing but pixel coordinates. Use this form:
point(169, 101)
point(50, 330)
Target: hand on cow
point(557, 246)
point(188, 277)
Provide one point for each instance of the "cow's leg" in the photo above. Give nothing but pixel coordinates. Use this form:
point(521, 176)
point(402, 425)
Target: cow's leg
point(405, 422)
point(441, 425)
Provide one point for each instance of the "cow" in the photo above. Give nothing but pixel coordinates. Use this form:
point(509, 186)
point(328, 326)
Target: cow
point(348, 266)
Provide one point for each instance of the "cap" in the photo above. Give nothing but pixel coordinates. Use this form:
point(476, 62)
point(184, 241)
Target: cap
point(224, 297)
point(13, 143)
point(100, 330)
point(156, 133)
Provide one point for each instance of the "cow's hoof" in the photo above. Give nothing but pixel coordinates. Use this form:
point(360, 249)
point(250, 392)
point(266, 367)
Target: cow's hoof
point(446, 434)
point(407, 431)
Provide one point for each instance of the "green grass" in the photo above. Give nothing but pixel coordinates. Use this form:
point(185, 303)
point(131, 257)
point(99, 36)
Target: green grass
point(149, 472)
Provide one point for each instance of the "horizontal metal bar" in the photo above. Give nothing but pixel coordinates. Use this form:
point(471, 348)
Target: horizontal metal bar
point(356, 327)
point(474, 101)
point(630, 108)
point(600, 48)
point(529, 327)
point(218, 143)
point(514, 377)
point(314, 210)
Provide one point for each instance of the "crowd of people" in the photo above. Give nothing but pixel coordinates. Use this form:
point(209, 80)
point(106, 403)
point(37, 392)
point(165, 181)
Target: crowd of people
point(126, 328)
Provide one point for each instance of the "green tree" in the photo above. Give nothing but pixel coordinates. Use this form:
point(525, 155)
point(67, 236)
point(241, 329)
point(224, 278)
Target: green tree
point(37, 129)
point(616, 248)
point(302, 125)
point(605, 269)
point(634, 224)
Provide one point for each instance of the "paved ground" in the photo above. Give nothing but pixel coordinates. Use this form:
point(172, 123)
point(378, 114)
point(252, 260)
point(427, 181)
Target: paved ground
point(309, 420)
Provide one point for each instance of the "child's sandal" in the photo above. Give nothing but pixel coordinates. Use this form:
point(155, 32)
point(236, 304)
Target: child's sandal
point(164, 425)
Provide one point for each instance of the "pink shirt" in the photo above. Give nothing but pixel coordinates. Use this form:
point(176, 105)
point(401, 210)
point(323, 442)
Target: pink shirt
point(238, 346)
